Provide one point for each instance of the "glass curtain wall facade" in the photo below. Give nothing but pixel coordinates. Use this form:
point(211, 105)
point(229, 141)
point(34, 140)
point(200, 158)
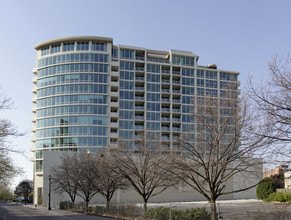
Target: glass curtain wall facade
point(89, 93)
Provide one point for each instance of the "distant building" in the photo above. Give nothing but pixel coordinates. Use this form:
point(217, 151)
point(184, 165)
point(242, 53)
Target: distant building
point(278, 170)
point(287, 179)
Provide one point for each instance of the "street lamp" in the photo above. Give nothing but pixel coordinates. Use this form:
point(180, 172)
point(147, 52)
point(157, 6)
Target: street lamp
point(49, 195)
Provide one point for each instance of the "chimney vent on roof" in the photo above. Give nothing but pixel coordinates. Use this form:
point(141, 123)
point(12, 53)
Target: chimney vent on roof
point(212, 66)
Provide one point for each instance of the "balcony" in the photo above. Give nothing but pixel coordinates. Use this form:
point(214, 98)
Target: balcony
point(165, 110)
point(165, 91)
point(114, 63)
point(113, 134)
point(139, 88)
point(34, 80)
point(34, 89)
point(175, 129)
point(114, 104)
point(139, 98)
point(165, 81)
point(33, 99)
point(176, 101)
point(115, 73)
point(165, 138)
point(139, 118)
point(32, 149)
point(113, 114)
point(166, 71)
point(139, 58)
point(114, 84)
point(176, 73)
point(176, 82)
point(34, 70)
point(114, 94)
point(175, 110)
point(33, 109)
point(164, 128)
point(165, 119)
point(139, 108)
point(139, 69)
point(33, 119)
point(140, 79)
point(33, 139)
point(166, 100)
point(176, 91)
point(33, 128)
point(139, 127)
point(176, 120)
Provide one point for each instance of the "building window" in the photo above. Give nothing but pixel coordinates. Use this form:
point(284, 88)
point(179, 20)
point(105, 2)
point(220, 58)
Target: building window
point(127, 54)
point(68, 47)
point(83, 46)
point(45, 51)
point(99, 46)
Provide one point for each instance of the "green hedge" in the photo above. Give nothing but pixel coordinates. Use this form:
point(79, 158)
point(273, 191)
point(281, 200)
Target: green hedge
point(279, 197)
point(162, 213)
point(265, 188)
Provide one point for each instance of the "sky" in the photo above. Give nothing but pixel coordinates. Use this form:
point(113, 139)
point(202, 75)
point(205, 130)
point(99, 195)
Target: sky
point(236, 35)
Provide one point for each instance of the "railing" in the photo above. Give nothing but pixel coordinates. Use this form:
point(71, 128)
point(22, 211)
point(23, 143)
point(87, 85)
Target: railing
point(139, 88)
point(165, 110)
point(166, 71)
point(138, 98)
point(139, 69)
point(139, 127)
point(176, 91)
point(175, 129)
point(176, 82)
point(165, 81)
point(165, 129)
point(176, 119)
point(139, 79)
point(165, 119)
point(176, 73)
point(157, 60)
point(165, 100)
point(176, 101)
point(139, 118)
point(141, 108)
point(166, 90)
point(139, 58)
point(176, 110)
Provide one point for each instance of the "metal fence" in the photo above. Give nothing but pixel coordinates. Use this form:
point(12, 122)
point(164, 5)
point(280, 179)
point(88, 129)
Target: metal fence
point(232, 210)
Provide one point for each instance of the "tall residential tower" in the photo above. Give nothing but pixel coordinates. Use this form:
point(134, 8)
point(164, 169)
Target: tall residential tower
point(90, 92)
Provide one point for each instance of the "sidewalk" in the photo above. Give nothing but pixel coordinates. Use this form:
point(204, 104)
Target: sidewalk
point(66, 213)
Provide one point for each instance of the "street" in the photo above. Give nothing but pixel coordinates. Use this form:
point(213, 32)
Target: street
point(12, 211)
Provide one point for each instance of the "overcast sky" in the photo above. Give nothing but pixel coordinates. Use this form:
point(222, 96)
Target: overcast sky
point(236, 35)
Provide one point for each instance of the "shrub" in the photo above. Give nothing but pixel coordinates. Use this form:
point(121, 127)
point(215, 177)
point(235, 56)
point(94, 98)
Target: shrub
point(66, 205)
point(279, 197)
point(162, 213)
point(265, 188)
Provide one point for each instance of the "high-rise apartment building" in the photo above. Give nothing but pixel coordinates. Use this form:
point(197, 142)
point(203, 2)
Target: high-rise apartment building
point(89, 93)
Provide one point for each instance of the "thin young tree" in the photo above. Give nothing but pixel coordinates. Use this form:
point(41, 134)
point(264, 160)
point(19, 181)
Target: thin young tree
point(63, 178)
point(221, 150)
point(272, 102)
point(108, 178)
point(83, 165)
point(142, 164)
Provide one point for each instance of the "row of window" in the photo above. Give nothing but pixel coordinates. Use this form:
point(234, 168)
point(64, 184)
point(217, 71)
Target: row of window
point(72, 131)
point(74, 88)
point(73, 78)
point(70, 46)
point(184, 61)
point(72, 120)
point(73, 110)
point(73, 57)
point(71, 68)
point(72, 99)
point(71, 141)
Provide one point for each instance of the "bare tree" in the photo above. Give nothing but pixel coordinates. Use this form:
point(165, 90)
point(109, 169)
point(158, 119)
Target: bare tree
point(24, 188)
point(108, 178)
point(63, 178)
point(7, 169)
point(142, 165)
point(221, 150)
point(272, 101)
point(82, 168)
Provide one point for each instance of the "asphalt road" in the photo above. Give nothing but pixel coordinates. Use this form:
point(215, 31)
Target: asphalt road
point(11, 211)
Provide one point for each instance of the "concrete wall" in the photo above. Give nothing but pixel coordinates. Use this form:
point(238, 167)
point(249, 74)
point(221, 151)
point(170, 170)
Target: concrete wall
point(175, 194)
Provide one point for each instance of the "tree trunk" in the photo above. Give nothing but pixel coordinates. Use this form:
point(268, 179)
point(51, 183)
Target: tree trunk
point(214, 215)
point(107, 206)
point(145, 207)
point(87, 204)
